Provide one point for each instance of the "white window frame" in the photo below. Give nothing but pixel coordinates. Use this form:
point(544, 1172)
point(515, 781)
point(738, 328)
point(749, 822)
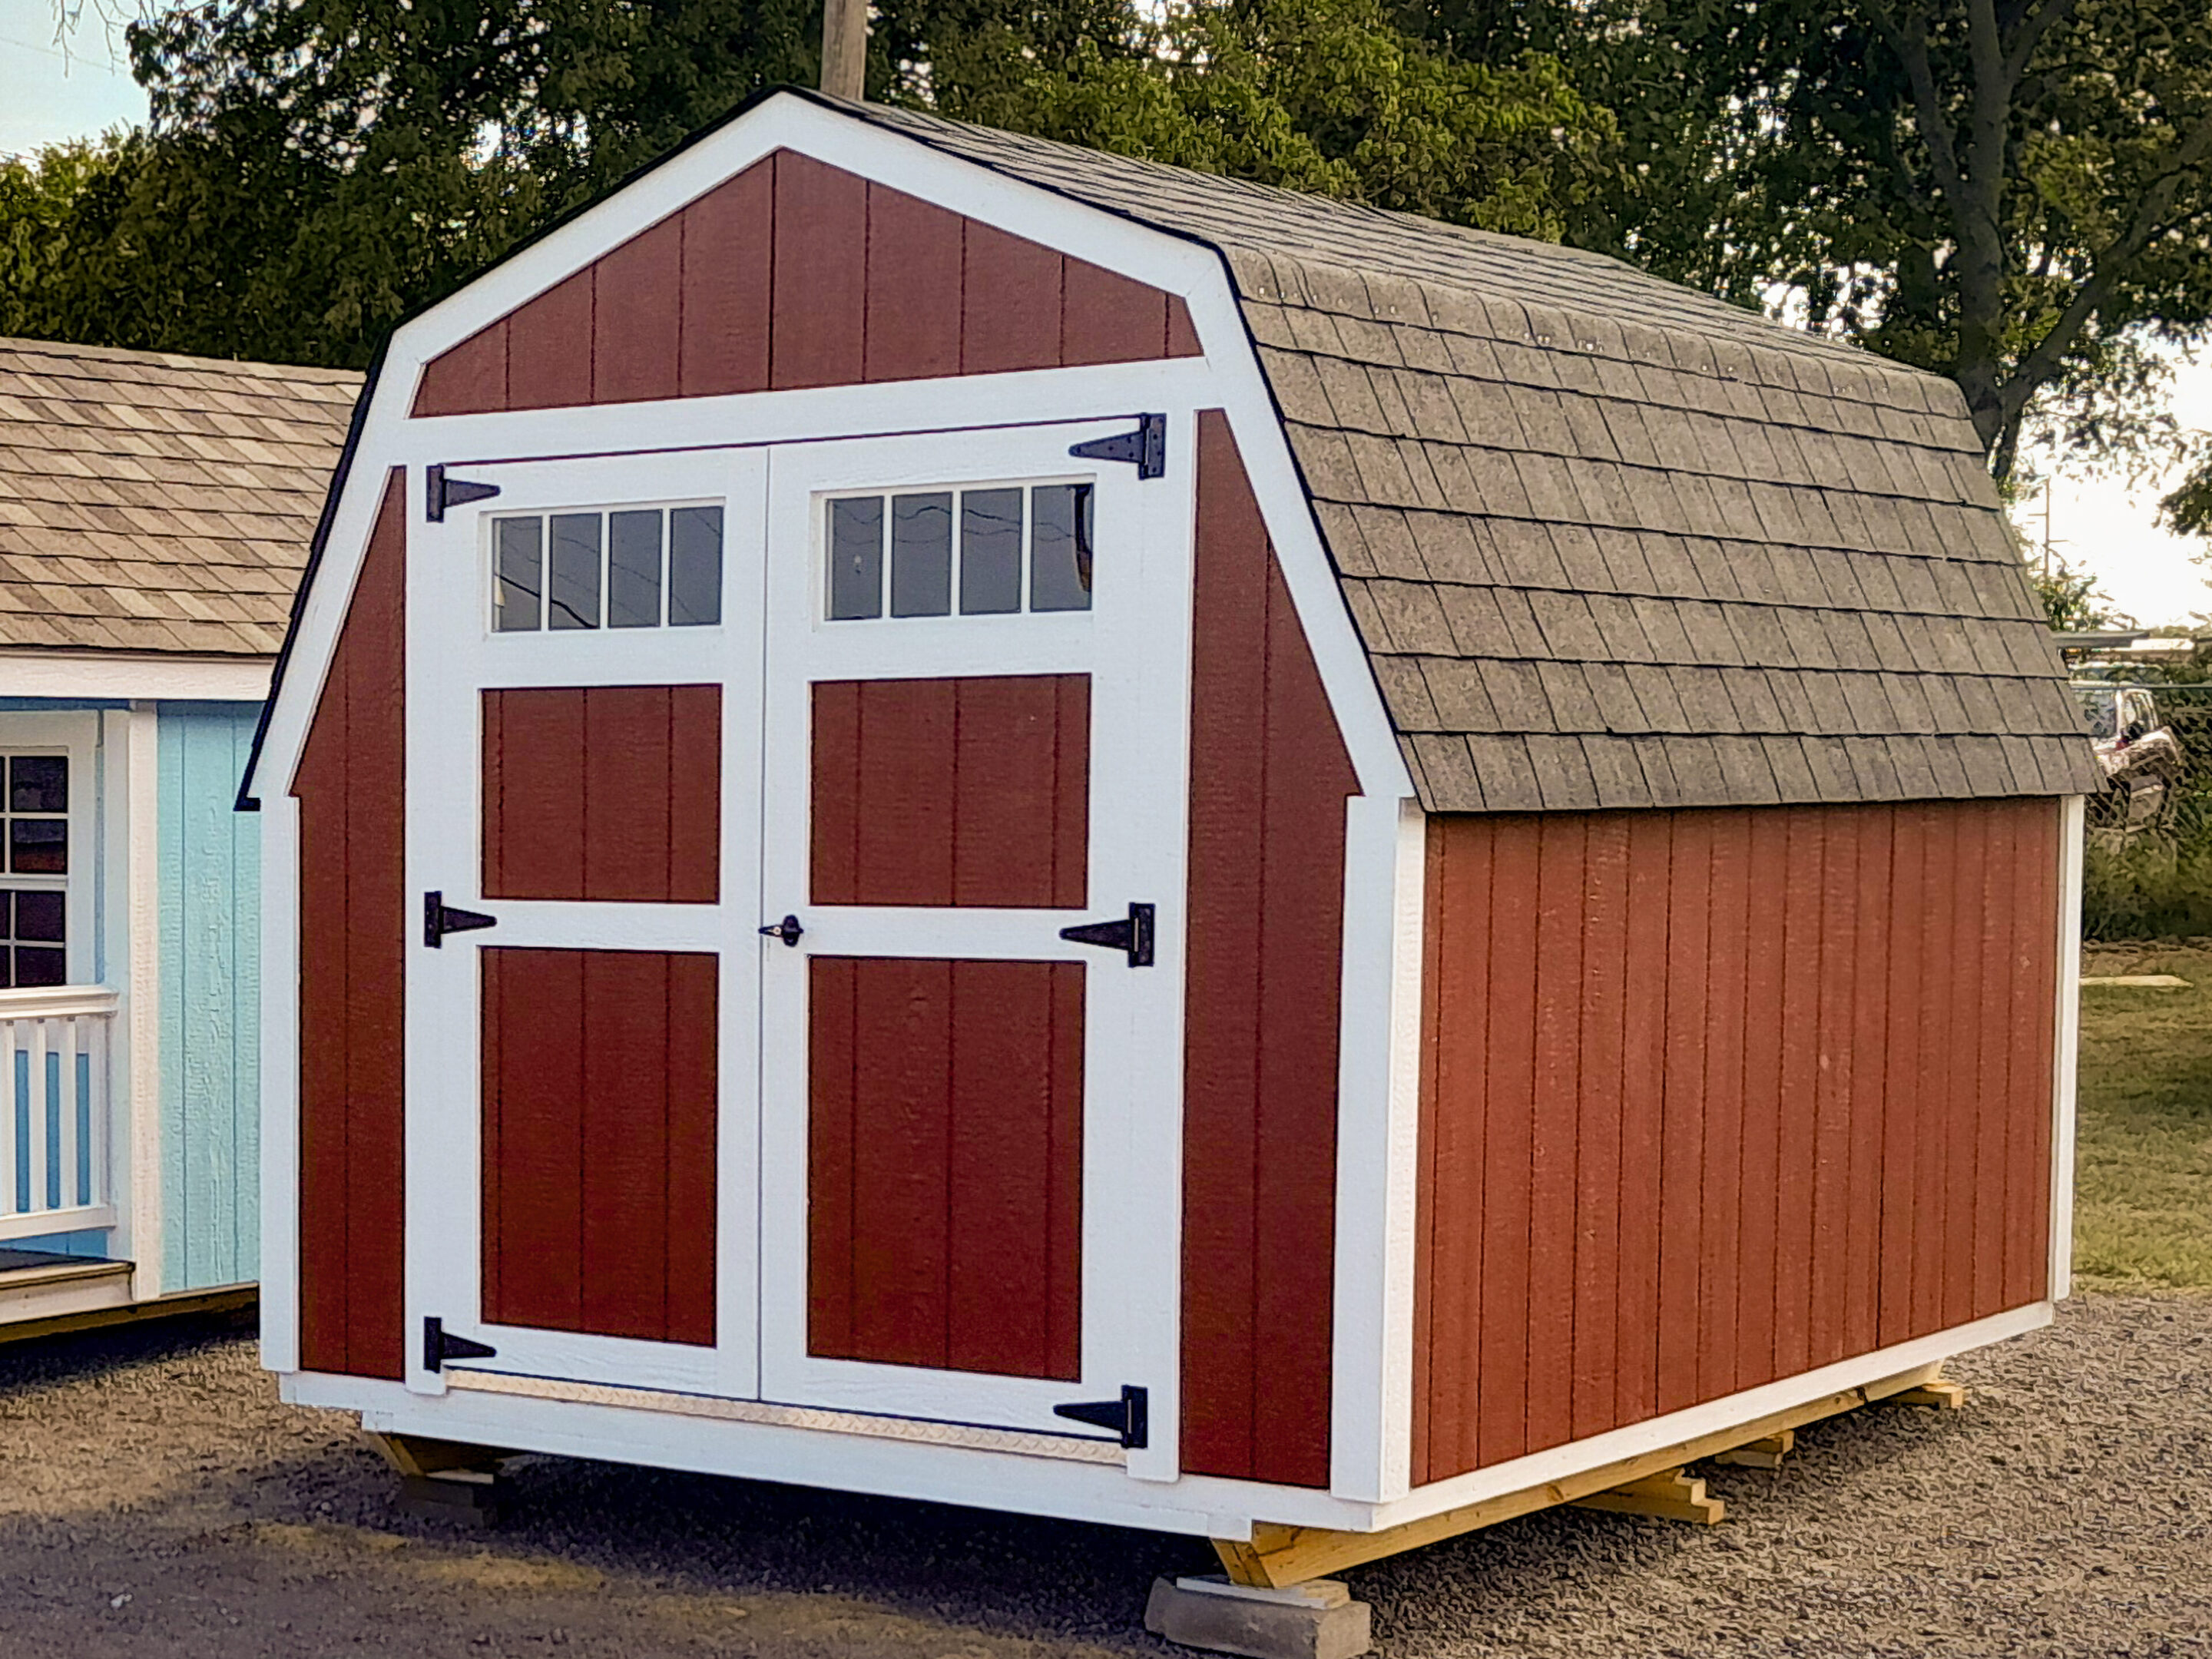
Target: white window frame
point(75, 735)
point(488, 531)
point(825, 501)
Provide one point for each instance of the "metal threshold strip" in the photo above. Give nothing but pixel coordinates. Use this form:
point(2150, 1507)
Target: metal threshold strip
point(1067, 1448)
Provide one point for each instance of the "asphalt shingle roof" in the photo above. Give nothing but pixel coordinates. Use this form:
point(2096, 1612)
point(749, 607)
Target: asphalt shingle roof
point(1610, 542)
point(158, 503)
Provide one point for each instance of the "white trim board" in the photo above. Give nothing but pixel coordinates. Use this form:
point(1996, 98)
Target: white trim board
point(2067, 1050)
point(126, 676)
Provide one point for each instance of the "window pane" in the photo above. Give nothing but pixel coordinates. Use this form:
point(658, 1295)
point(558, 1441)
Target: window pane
point(38, 847)
point(521, 568)
point(990, 552)
point(38, 783)
point(41, 967)
point(694, 566)
point(921, 555)
point(1060, 547)
point(633, 569)
point(572, 598)
point(39, 916)
point(856, 558)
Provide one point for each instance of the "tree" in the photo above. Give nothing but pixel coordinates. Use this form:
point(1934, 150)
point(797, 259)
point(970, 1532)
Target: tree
point(2011, 192)
point(1326, 96)
point(2071, 600)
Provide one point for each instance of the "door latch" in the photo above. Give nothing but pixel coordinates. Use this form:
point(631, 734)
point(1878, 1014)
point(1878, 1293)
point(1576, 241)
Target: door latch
point(1145, 449)
point(1129, 1416)
point(787, 930)
point(1134, 936)
point(440, 919)
point(439, 1345)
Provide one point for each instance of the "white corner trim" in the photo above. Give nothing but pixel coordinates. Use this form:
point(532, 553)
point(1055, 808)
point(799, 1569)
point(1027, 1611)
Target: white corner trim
point(280, 1084)
point(2067, 1051)
point(124, 676)
point(142, 994)
point(1577, 1456)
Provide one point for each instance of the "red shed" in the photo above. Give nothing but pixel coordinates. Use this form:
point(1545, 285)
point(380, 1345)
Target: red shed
point(927, 778)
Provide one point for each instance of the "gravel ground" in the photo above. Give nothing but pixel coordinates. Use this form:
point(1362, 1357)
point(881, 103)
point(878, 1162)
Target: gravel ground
point(156, 1500)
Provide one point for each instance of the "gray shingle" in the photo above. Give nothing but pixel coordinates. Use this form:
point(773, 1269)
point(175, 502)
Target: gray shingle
point(1503, 770)
point(1615, 773)
point(1563, 774)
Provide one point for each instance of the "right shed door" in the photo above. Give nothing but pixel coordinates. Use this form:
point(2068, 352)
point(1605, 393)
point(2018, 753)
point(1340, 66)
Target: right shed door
point(977, 703)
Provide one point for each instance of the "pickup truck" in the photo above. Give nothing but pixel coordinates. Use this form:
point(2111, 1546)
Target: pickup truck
point(2140, 758)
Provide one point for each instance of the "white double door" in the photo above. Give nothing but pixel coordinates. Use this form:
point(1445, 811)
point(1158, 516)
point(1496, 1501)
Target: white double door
point(926, 697)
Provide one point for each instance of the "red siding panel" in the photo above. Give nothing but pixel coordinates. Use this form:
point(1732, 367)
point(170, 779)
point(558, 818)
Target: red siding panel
point(636, 346)
point(1264, 955)
point(1702, 1060)
point(913, 288)
point(818, 330)
point(609, 792)
point(794, 273)
point(724, 300)
point(599, 1115)
point(944, 1170)
point(953, 792)
point(549, 346)
point(352, 932)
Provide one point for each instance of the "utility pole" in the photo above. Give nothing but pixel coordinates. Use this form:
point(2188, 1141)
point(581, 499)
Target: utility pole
point(2046, 530)
point(845, 48)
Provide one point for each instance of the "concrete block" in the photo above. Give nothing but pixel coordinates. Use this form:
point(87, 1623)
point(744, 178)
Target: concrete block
point(467, 1498)
point(1314, 1620)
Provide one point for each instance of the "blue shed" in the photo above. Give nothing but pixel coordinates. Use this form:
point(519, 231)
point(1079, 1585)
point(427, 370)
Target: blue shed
point(154, 515)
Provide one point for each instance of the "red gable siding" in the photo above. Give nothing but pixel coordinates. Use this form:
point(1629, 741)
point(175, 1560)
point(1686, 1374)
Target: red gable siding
point(353, 923)
point(1269, 776)
point(799, 274)
point(1713, 1098)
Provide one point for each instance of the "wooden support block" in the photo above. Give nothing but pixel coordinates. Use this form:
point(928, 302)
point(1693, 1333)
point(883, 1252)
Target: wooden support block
point(1669, 1495)
point(467, 1497)
point(1276, 1556)
point(1765, 1453)
point(416, 1457)
point(1942, 1396)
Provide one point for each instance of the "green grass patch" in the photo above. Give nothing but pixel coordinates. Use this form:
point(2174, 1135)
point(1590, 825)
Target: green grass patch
point(2142, 1207)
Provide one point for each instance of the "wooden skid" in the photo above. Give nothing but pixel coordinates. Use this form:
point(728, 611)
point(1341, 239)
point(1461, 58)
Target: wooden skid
point(1279, 1556)
point(1669, 1495)
point(1767, 1453)
point(231, 1299)
point(1943, 1397)
point(418, 1458)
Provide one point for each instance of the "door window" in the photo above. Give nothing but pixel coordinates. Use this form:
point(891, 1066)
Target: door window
point(632, 567)
point(993, 550)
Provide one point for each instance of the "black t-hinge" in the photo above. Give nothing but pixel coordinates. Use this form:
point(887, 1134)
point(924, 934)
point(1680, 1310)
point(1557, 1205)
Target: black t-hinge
point(1134, 936)
point(439, 1345)
point(1145, 449)
point(1128, 1417)
point(441, 492)
point(440, 919)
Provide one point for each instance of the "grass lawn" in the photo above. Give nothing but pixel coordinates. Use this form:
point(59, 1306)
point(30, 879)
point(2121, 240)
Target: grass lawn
point(2143, 1211)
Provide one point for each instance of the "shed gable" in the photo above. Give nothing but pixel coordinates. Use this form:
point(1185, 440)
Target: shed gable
point(793, 274)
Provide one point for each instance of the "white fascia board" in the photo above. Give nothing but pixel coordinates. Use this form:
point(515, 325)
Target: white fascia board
point(131, 677)
point(2066, 1052)
point(280, 1083)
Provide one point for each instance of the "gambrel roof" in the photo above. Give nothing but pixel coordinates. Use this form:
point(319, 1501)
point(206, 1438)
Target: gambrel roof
point(155, 503)
point(1610, 542)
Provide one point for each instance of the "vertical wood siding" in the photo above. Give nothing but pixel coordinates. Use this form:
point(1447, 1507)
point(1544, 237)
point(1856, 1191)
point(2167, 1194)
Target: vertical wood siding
point(610, 792)
point(599, 1142)
point(794, 273)
point(353, 932)
point(944, 1165)
point(211, 946)
point(953, 792)
point(1712, 1098)
point(1269, 777)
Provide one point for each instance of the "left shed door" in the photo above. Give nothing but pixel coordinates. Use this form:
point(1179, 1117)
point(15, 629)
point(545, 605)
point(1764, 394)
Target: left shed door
point(583, 768)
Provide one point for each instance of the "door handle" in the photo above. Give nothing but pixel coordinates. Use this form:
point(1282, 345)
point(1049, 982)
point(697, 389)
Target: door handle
point(1135, 935)
point(787, 930)
point(440, 919)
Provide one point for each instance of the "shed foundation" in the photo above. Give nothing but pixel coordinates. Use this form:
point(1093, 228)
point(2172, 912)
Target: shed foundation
point(1317, 1620)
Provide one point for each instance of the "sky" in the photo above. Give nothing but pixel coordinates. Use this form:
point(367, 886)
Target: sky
point(2101, 526)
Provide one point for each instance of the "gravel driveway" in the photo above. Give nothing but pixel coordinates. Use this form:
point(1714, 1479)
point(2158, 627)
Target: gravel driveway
point(156, 1500)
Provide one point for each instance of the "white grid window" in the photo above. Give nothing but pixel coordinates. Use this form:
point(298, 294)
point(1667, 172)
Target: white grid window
point(995, 550)
point(35, 845)
point(633, 566)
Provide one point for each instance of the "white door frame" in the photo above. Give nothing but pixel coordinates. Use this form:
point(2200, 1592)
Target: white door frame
point(451, 657)
point(1134, 645)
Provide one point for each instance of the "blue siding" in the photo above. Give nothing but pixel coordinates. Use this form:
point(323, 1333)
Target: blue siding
point(210, 946)
point(93, 1244)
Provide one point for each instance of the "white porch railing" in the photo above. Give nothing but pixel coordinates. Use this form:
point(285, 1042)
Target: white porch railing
point(53, 1110)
